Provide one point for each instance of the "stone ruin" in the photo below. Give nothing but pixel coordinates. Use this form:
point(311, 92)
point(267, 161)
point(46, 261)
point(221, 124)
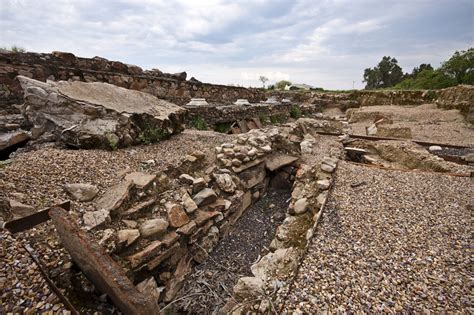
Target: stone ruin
point(147, 233)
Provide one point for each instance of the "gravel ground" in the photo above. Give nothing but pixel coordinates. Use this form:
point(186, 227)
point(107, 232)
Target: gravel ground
point(37, 178)
point(233, 256)
point(427, 123)
point(23, 289)
point(399, 242)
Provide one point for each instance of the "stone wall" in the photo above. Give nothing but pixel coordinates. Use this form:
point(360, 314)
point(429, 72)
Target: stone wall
point(221, 114)
point(65, 66)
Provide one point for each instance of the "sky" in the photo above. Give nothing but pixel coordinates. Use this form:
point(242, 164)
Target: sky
point(324, 43)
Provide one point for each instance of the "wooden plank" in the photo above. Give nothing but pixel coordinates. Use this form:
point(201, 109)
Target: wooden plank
point(107, 276)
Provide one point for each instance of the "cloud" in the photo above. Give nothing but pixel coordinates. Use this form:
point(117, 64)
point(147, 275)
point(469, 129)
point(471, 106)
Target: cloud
point(326, 43)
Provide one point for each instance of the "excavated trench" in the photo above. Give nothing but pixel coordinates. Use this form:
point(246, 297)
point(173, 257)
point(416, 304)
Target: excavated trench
point(210, 285)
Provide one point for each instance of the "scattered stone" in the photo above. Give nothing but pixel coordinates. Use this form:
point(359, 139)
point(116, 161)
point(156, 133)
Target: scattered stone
point(204, 197)
point(149, 288)
point(141, 180)
point(199, 184)
point(323, 184)
point(145, 254)
point(97, 218)
point(20, 210)
point(153, 227)
point(435, 148)
point(249, 287)
point(130, 223)
point(186, 179)
point(114, 197)
point(128, 236)
point(82, 192)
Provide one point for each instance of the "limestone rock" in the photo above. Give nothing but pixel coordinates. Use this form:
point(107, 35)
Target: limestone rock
point(114, 197)
point(128, 236)
point(279, 263)
point(323, 184)
point(252, 176)
point(88, 115)
point(176, 215)
point(301, 206)
point(97, 218)
point(225, 182)
point(188, 203)
point(205, 196)
point(141, 180)
point(82, 192)
point(188, 228)
point(435, 148)
point(153, 227)
point(149, 288)
point(186, 179)
point(12, 138)
point(276, 161)
point(20, 210)
point(199, 184)
point(249, 287)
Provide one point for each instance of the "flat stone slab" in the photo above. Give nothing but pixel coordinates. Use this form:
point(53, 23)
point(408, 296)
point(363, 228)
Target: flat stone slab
point(141, 180)
point(275, 161)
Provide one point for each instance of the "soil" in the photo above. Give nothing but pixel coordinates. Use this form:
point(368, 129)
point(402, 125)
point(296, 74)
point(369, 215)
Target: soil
point(210, 285)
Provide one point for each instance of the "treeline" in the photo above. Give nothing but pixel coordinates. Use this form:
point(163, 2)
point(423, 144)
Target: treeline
point(459, 69)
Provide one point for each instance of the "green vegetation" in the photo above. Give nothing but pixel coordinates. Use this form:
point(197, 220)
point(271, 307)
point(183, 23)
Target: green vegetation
point(280, 85)
point(222, 127)
point(15, 49)
point(113, 140)
point(199, 123)
point(295, 112)
point(459, 69)
point(277, 119)
point(153, 135)
point(265, 120)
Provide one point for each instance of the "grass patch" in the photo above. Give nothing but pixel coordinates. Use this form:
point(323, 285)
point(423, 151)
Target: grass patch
point(295, 112)
point(277, 119)
point(222, 127)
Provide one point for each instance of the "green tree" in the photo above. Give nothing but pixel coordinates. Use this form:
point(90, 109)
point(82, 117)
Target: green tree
point(386, 74)
point(421, 68)
point(280, 85)
point(427, 80)
point(460, 67)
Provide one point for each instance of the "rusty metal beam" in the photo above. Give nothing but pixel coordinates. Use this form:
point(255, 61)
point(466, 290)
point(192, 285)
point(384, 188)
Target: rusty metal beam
point(34, 219)
point(100, 268)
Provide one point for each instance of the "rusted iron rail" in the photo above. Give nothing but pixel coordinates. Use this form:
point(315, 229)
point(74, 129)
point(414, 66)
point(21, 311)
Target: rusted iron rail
point(100, 268)
point(32, 220)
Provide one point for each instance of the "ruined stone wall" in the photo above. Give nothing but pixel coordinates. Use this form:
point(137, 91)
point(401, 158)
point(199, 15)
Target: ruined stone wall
point(213, 115)
point(65, 66)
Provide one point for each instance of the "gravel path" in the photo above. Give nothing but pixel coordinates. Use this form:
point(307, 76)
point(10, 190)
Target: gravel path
point(427, 123)
point(400, 241)
point(22, 287)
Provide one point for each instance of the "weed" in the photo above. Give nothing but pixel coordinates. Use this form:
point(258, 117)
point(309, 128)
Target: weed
point(295, 112)
point(277, 119)
point(153, 135)
point(222, 127)
point(199, 123)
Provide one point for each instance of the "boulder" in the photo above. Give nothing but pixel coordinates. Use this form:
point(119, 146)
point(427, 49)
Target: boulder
point(128, 236)
point(188, 203)
point(82, 192)
point(98, 115)
point(176, 215)
point(275, 161)
point(149, 288)
point(301, 206)
point(10, 139)
point(249, 287)
point(252, 176)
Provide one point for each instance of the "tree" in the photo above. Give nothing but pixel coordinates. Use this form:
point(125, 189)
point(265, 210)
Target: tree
point(421, 68)
point(460, 67)
point(280, 85)
point(386, 74)
point(263, 79)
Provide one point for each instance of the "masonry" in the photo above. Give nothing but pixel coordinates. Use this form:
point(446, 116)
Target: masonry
point(66, 66)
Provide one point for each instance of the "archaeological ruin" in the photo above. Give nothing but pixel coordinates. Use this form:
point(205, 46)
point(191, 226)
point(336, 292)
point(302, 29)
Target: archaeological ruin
point(134, 191)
